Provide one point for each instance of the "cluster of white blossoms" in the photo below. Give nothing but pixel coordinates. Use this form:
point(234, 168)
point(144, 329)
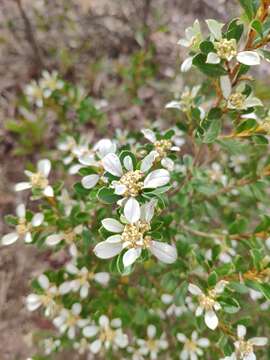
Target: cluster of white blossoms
point(38, 91)
point(223, 49)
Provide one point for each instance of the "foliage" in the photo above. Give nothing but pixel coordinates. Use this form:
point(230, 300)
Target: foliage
point(165, 239)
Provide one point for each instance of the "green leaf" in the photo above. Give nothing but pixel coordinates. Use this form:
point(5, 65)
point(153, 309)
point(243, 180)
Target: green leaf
point(265, 290)
point(107, 196)
point(80, 190)
point(212, 279)
point(247, 5)
point(235, 30)
point(229, 304)
point(257, 26)
point(208, 69)
point(206, 47)
point(11, 220)
point(212, 132)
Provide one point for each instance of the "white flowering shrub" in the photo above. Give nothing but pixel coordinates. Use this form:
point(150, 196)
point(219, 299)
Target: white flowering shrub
point(161, 248)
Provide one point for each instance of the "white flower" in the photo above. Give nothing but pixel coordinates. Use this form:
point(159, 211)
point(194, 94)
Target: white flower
point(193, 36)
point(51, 345)
point(172, 310)
point(192, 347)
point(132, 182)
point(186, 101)
point(208, 303)
point(236, 162)
point(217, 175)
point(152, 346)
point(68, 236)
point(108, 334)
point(92, 158)
point(134, 236)
point(34, 93)
point(244, 349)
point(82, 280)
point(66, 201)
point(50, 82)
point(69, 320)
point(226, 253)
point(160, 151)
point(226, 49)
point(23, 227)
point(46, 299)
point(38, 180)
point(237, 100)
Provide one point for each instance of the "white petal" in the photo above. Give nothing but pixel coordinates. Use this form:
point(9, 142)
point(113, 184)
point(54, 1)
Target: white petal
point(22, 186)
point(151, 331)
point(114, 239)
point(116, 323)
point(226, 87)
point(10, 238)
point(112, 225)
point(148, 160)
point(54, 239)
point(28, 237)
point(173, 105)
point(76, 309)
point(65, 288)
point(84, 291)
point(157, 178)
point(106, 250)
point(250, 356)
point(148, 210)
point(33, 302)
point(215, 28)
point(252, 101)
point(203, 342)
point(131, 256)
point(37, 219)
point(212, 58)
point(132, 210)
point(194, 289)
point(89, 181)
point(112, 164)
point(168, 163)
point(44, 281)
point(199, 311)
point(102, 278)
point(104, 147)
point(48, 191)
point(90, 331)
point(103, 321)
point(166, 298)
point(248, 58)
point(181, 337)
point(44, 167)
point(186, 65)
point(95, 346)
point(164, 252)
point(128, 164)
point(211, 319)
point(20, 211)
point(87, 159)
point(149, 135)
point(259, 341)
point(121, 339)
point(119, 189)
point(71, 332)
point(74, 169)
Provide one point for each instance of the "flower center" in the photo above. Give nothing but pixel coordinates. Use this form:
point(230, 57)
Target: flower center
point(162, 147)
point(190, 345)
point(107, 334)
point(133, 234)
point(237, 100)
point(226, 49)
point(22, 227)
point(206, 302)
point(38, 180)
point(132, 182)
point(152, 345)
point(244, 348)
